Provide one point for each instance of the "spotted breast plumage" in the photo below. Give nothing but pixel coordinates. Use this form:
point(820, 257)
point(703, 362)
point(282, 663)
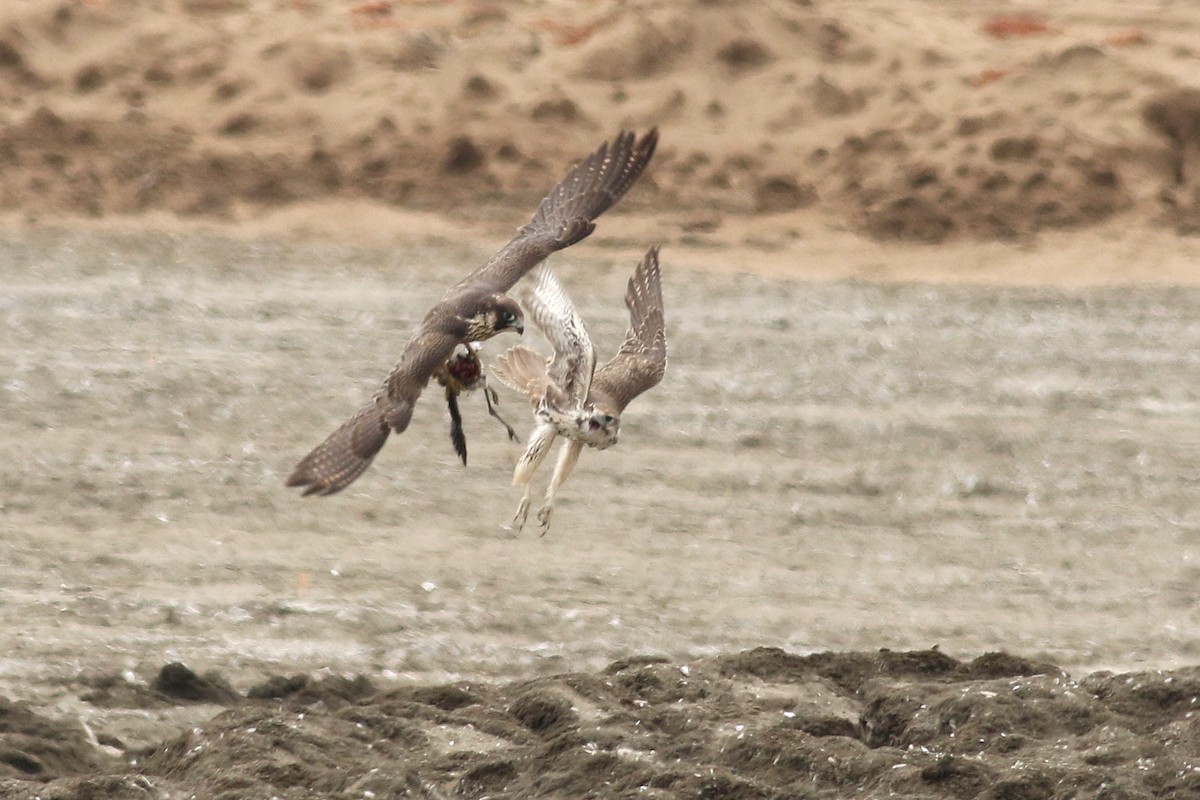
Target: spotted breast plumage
point(475, 309)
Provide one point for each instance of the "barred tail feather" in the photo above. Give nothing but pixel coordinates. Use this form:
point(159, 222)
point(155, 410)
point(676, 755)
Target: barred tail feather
point(523, 371)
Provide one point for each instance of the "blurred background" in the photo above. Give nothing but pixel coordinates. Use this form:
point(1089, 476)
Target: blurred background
point(913, 121)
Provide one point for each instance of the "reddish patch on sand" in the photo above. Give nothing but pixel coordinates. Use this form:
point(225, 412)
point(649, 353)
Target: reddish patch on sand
point(1008, 26)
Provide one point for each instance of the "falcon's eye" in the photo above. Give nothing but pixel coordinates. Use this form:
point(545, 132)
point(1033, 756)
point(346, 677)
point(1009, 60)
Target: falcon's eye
point(508, 317)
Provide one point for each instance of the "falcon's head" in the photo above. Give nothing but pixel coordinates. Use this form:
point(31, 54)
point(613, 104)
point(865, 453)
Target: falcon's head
point(494, 314)
point(598, 427)
point(595, 426)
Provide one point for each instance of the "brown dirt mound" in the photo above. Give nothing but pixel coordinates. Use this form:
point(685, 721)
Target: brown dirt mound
point(35, 747)
point(220, 109)
point(759, 724)
point(1003, 187)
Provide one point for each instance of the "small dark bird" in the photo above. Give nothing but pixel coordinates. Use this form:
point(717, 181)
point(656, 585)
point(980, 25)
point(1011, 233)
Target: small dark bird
point(475, 309)
point(460, 374)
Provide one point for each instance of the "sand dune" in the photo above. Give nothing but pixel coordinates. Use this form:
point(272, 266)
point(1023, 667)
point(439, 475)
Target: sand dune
point(911, 121)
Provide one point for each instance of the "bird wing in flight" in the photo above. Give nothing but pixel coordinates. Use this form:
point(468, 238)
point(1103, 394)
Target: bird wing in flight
point(642, 359)
point(551, 310)
point(348, 451)
point(568, 213)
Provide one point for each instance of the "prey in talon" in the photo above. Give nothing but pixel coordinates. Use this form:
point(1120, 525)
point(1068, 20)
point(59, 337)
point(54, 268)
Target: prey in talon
point(463, 372)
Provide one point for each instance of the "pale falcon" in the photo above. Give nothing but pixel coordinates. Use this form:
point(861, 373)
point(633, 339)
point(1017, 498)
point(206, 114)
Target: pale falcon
point(568, 399)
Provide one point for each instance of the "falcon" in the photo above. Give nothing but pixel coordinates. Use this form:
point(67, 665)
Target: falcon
point(570, 397)
point(476, 309)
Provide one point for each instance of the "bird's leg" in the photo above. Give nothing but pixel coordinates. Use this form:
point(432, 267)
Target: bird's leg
point(489, 394)
point(518, 520)
point(457, 437)
point(527, 464)
point(567, 456)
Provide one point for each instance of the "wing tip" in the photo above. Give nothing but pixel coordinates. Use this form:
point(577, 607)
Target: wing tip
point(339, 460)
point(302, 477)
point(649, 271)
point(311, 486)
point(648, 143)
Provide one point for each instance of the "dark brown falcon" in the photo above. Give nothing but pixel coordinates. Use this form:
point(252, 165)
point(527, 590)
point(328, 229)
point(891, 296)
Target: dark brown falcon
point(475, 309)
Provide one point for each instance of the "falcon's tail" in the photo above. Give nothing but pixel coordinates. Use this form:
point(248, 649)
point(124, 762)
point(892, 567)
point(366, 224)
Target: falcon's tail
point(523, 371)
point(345, 454)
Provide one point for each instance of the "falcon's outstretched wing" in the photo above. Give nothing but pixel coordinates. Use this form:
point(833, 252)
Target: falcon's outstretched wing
point(551, 310)
point(642, 359)
point(348, 451)
point(568, 213)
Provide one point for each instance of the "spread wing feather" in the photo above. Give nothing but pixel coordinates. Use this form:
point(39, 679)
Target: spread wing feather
point(642, 359)
point(568, 213)
point(525, 372)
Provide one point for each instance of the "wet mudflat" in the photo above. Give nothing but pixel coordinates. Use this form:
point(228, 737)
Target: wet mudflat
point(826, 467)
